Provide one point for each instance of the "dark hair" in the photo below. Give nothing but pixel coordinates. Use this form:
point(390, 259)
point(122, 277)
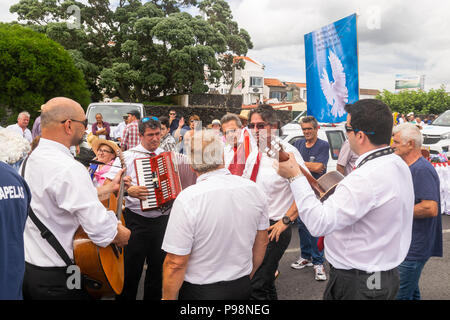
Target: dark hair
point(165, 121)
point(310, 119)
point(267, 113)
point(371, 115)
point(150, 123)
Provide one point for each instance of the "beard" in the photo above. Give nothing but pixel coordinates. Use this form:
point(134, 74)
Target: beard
point(76, 141)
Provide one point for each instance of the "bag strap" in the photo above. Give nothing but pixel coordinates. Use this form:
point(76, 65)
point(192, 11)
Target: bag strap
point(45, 232)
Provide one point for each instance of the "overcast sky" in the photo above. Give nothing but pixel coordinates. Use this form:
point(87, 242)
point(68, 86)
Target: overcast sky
point(395, 36)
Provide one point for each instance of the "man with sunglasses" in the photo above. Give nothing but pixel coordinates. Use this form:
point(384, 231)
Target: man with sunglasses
point(173, 121)
point(63, 199)
point(264, 126)
point(367, 221)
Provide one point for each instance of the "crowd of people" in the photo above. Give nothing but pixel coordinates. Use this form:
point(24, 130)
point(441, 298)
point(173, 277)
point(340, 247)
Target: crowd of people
point(224, 235)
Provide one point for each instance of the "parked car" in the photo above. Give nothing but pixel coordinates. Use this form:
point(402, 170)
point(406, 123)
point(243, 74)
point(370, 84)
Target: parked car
point(112, 113)
point(436, 136)
point(334, 134)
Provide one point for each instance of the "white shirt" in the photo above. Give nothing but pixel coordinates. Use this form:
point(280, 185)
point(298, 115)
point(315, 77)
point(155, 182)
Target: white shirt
point(276, 188)
point(216, 221)
point(367, 222)
point(63, 197)
point(23, 133)
point(134, 204)
point(118, 133)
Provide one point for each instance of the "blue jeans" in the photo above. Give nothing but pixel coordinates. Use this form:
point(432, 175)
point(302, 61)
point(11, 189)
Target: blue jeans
point(308, 245)
point(410, 272)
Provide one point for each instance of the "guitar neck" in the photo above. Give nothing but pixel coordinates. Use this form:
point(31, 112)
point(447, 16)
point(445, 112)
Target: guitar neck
point(284, 156)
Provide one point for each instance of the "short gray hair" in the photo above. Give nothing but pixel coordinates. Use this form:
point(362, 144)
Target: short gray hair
point(205, 151)
point(309, 119)
point(409, 132)
point(23, 113)
point(230, 117)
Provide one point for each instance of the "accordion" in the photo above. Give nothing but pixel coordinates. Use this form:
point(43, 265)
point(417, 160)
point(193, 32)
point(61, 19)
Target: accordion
point(161, 177)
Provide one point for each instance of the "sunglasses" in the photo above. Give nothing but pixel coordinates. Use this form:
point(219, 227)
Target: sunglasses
point(148, 119)
point(172, 114)
point(259, 126)
point(350, 129)
point(84, 122)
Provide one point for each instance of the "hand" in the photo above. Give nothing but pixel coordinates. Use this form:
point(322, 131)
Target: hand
point(127, 182)
point(140, 192)
point(181, 123)
point(122, 237)
point(288, 169)
point(276, 230)
point(115, 183)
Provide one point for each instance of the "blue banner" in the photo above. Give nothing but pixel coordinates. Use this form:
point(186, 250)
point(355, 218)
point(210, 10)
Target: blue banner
point(331, 56)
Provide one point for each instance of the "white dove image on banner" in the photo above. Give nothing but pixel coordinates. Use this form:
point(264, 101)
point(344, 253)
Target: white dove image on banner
point(331, 56)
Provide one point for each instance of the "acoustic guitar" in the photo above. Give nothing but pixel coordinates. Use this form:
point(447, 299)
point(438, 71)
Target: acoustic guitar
point(103, 267)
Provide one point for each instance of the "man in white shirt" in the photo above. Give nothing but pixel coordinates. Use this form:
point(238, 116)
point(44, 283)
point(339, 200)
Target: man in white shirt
point(63, 199)
point(216, 236)
point(21, 126)
point(281, 205)
point(147, 227)
point(367, 222)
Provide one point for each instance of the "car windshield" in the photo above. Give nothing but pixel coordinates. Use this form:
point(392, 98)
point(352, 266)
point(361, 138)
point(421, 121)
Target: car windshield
point(113, 114)
point(443, 119)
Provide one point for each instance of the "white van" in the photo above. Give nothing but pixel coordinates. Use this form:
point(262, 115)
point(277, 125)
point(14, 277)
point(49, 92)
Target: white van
point(334, 134)
point(112, 112)
point(436, 136)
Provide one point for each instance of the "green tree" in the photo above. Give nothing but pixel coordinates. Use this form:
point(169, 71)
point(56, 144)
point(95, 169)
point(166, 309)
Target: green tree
point(434, 101)
point(34, 69)
point(136, 51)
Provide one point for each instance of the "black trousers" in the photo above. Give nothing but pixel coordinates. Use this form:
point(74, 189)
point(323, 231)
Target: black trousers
point(263, 282)
point(238, 289)
point(360, 285)
point(42, 283)
point(144, 244)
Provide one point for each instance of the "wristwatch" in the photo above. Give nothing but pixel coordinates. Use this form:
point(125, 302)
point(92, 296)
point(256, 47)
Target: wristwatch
point(286, 220)
point(290, 180)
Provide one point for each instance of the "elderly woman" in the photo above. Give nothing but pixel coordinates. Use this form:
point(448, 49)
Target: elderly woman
point(106, 152)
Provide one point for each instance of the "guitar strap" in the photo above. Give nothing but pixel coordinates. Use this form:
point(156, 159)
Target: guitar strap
point(45, 232)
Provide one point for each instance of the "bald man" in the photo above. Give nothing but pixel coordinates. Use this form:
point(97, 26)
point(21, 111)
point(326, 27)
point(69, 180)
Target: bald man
point(63, 199)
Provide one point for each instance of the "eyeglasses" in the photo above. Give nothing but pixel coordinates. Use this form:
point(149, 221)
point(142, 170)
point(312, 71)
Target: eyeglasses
point(350, 129)
point(84, 122)
point(148, 119)
point(260, 125)
point(172, 114)
point(103, 151)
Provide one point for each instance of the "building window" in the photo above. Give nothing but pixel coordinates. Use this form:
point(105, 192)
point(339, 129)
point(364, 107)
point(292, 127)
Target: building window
point(275, 95)
point(256, 82)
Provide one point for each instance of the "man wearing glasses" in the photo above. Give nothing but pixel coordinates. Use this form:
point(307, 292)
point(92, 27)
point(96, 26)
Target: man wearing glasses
point(282, 211)
point(367, 221)
point(63, 199)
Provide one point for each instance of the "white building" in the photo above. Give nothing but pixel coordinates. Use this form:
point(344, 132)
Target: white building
point(249, 82)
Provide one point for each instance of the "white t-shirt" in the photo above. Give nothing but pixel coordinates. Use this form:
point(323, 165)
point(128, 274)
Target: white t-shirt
point(216, 221)
point(277, 190)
